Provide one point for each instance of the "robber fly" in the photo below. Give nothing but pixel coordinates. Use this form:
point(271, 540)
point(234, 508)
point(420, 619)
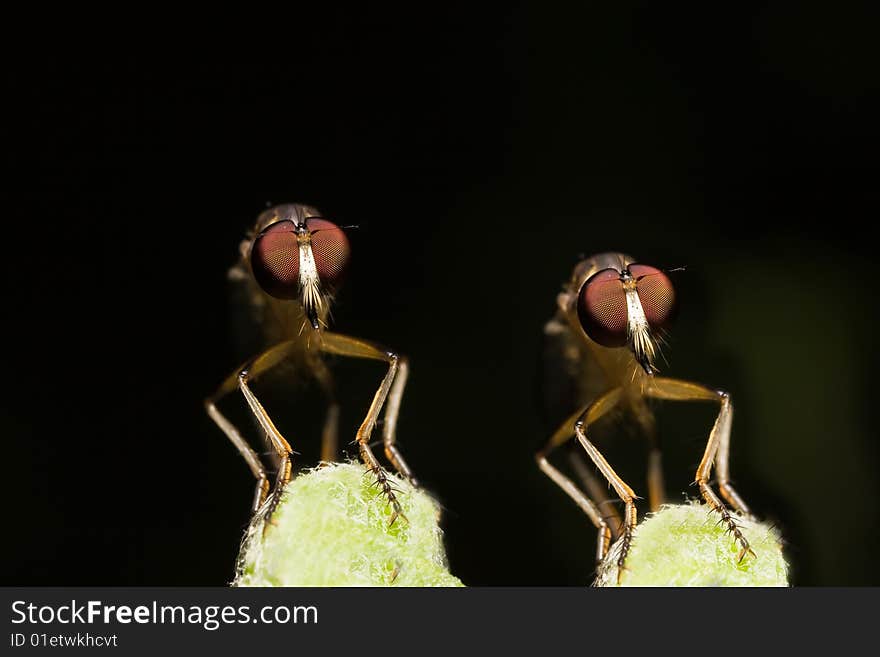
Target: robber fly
point(291, 264)
point(610, 321)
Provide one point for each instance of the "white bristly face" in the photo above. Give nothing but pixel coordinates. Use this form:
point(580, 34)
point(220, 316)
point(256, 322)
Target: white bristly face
point(638, 330)
point(309, 280)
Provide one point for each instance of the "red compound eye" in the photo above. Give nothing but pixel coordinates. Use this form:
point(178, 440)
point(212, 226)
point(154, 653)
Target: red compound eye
point(656, 294)
point(602, 308)
point(330, 249)
point(275, 260)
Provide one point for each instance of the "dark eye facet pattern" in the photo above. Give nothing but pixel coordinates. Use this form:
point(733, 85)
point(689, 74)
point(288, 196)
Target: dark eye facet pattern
point(602, 308)
point(330, 249)
point(275, 260)
point(656, 295)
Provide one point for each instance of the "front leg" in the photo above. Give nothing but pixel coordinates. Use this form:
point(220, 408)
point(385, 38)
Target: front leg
point(239, 380)
point(578, 425)
point(343, 345)
point(717, 450)
point(622, 489)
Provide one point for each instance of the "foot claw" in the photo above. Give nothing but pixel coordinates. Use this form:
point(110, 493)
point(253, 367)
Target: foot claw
point(268, 521)
point(744, 551)
point(397, 514)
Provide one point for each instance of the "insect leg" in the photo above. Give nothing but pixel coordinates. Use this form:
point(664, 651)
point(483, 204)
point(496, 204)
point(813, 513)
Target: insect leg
point(597, 490)
point(250, 457)
point(238, 380)
point(389, 430)
point(717, 449)
point(585, 503)
point(343, 345)
point(595, 410)
point(330, 432)
point(645, 418)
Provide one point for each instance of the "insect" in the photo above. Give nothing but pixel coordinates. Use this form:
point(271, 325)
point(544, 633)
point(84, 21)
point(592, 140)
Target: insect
point(291, 264)
point(610, 321)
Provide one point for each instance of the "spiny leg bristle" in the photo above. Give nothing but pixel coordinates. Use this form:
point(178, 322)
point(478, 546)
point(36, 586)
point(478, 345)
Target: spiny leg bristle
point(387, 488)
point(733, 528)
point(626, 543)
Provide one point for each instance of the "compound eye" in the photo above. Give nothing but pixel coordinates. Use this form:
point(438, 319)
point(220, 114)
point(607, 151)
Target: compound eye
point(602, 308)
point(656, 295)
point(275, 260)
point(330, 249)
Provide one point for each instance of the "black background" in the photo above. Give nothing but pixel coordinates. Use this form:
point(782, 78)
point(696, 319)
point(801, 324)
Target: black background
point(479, 155)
